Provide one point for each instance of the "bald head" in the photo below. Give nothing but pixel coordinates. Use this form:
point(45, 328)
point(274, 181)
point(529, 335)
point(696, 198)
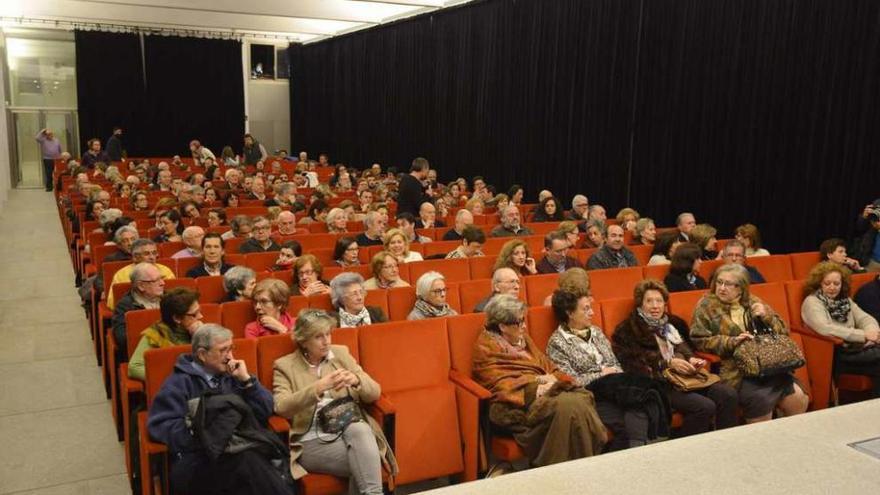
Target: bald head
point(192, 237)
point(505, 281)
point(462, 219)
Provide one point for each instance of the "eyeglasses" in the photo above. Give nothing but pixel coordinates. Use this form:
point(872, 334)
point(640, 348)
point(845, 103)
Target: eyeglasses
point(520, 322)
point(262, 228)
point(307, 272)
point(441, 290)
point(225, 350)
point(154, 252)
point(725, 283)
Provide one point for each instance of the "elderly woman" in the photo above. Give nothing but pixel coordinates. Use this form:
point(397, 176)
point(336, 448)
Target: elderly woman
point(336, 221)
point(309, 379)
point(548, 211)
point(475, 206)
point(703, 235)
point(550, 416)
point(570, 230)
point(628, 218)
point(270, 299)
point(684, 271)
point(750, 237)
point(829, 310)
point(307, 273)
point(515, 255)
point(397, 244)
point(726, 317)
point(181, 317)
point(140, 201)
point(171, 227)
point(347, 294)
point(515, 193)
point(645, 232)
point(239, 283)
point(835, 250)
point(346, 252)
point(431, 298)
point(652, 340)
point(386, 272)
point(596, 232)
point(664, 248)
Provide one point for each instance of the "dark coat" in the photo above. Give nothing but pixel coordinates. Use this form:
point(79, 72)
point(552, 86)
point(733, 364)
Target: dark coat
point(868, 298)
point(123, 305)
point(544, 265)
point(253, 246)
point(636, 347)
point(677, 282)
point(410, 195)
point(199, 271)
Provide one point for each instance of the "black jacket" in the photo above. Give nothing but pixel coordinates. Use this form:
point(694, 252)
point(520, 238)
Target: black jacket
point(544, 265)
point(225, 422)
point(676, 282)
point(199, 271)
point(410, 195)
point(114, 148)
point(252, 246)
point(868, 298)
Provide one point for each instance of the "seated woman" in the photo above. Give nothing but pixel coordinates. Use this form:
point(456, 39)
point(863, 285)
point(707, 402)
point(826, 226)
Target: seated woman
point(723, 319)
point(750, 237)
point(270, 298)
point(347, 294)
point(336, 221)
point(684, 271)
point(475, 206)
point(549, 415)
point(308, 379)
point(829, 310)
point(288, 254)
point(628, 218)
point(216, 217)
point(386, 272)
point(515, 193)
point(548, 211)
point(645, 232)
point(574, 281)
point(651, 340)
point(346, 252)
point(581, 350)
point(397, 244)
point(664, 248)
point(515, 255)
point(171, 227)
point(181, 317)
point(703, 235)
point(835, 250)
point(239, 283)
point(140, 201)
point(596, 231)
point(307, 281)
point(431, 298)
point(317, 213)
point(570, 229)
point(231, 199)
point(190, 211)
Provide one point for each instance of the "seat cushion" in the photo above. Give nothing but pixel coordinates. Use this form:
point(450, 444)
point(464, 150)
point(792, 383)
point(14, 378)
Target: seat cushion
point(322, 484)
point(505, 448)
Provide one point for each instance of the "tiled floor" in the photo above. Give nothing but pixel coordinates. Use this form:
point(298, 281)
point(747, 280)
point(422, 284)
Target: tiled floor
point(56, 433)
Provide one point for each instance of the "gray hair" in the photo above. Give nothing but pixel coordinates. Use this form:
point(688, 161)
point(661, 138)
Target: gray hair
point(331, 216)
point(463, 213)
point(137, 273)
point(496, 275)
point(198, 190)
point(341, 282)
point(206, 335)
point(193, 231)
point(125, 229)
point(578, 198)
point(370, 219)
point(239, 220)
point(680, 217)
point(732, 243)
point(141, 243)
point(259, 219)
point(423, 285)
point(237, 278)
point(599, 224)
point(285, 188)
point(109, 216)
point(642, 224)
point(309, 322)
point(503, 309)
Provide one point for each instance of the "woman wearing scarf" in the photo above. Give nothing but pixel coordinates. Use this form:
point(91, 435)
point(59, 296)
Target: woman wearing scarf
point(181, 317)
point(386, 272)
point(651, 340)
point(726, 317)
point(828, 310)
point(347, 294)
point(550, 416)
point(431, 298)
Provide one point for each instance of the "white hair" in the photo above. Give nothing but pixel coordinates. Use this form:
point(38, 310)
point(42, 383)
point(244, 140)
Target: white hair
point(426, 281)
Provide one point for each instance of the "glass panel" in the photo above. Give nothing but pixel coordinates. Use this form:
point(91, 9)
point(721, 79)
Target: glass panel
point(30, 168)
point(41, 72)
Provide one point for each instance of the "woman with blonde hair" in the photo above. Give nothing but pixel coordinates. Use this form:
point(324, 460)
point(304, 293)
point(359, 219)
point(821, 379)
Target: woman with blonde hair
point(336, 221)
point(703, 235)
point(645, 232)
point(396, 243)
point(627, 218)
point(386, 272)
point(475, 206)
point(515, 255)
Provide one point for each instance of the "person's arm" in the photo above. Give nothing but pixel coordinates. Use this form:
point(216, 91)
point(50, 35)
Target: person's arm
point(564, 363)
point(815, 316)
point(863, 320)
point(868, 301)
point(136, 367)
point(41, 136)
point(290, 401)
point(258, 397)
point(367, 390)
point(263, 154)
point(167, 417)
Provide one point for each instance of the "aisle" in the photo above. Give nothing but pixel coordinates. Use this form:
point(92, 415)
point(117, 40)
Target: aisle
point(56, 432)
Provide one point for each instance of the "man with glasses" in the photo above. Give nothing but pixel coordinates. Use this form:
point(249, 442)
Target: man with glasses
point(261, 238)
point(579, 208)
point(147, 287)
point(556, 258)
point(225, 388)
point(505, 281)
point(735, 252)
point(142, 251)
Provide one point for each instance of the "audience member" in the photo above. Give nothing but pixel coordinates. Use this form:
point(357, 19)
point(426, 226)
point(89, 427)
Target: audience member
point(346, 253)
point(410, 191)
point(556, 258)
point(834, 250)
point(407, 223)
point(348, 296)
point(431, 298)
point(147, 287)
point(241, 227)
point(664, 248)
point(192, 238)
point(596, 232)
point(307, 277)
point(142, 251)
point(868, 298)
point(575, 281)
point(472, 241)
point(252, 152)
point(628, 218)
point(579, 209)
point(181, 316)
point(703, 235)
point(505, 281)
point(286, 223)
point(867, 245)
point(270, 298)
point(212, 252)
point(750, 237)
point(261, 238)
point(288, 254)
point(239, 283)
point(337, 220)
point(171, 227)
point(462, 219)
point(684, 269)
point(685, 222)
point(427, 217)
point(510, 224)
point(386, 272)
point(735, 253)
point(375, 225)
point(515, 254)
point(548, 211)
point(613, 254)
point(397, 244)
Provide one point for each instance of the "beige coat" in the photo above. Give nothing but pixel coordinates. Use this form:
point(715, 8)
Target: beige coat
point(815, 315)
point(295, 400)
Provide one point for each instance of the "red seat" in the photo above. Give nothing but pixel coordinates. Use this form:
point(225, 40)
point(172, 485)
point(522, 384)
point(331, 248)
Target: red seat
point(774, 295)
point(211, 289)
point(614, 283)
point(682, 304)
point(400, 302)
point(707, 269)
point(260, 262)
point(774, 268)
point(455, 270)
point(297, 304)
point(440, 247)
point(541, 324)
point(538, 287)
point(642, 253)
point(236, 314)
point(614, 312)
point(802, 263)
point(656, 272)
point(482, 266)
point(472, 292)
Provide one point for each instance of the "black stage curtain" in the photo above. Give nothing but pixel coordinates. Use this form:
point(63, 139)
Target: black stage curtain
point(181, 89)
point(740, 110)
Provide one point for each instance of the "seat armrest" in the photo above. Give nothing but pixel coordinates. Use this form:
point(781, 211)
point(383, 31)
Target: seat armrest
point(383, 411)
point(710, 358)
point(467, 383)
point(816, 335)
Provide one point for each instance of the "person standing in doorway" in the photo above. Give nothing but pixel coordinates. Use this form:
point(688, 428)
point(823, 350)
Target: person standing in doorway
point(50, 148)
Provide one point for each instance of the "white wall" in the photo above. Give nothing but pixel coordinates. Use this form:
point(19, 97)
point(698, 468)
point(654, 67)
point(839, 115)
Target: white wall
point(5, 169)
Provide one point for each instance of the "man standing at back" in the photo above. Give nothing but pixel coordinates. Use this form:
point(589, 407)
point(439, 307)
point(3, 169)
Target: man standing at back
point(114, 145)
point(410, 192)
point(50, 147)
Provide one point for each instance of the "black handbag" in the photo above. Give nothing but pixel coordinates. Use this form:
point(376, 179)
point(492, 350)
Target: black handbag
point(338, 414)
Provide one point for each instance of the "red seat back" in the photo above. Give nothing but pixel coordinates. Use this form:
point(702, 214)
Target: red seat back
point(774, 268)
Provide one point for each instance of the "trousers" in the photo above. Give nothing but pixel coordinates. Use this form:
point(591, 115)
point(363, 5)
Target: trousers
point(354, 455)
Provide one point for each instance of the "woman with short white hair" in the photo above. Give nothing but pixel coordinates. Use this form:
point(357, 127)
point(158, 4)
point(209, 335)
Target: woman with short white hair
point(431, 298)
point(336, 221)
point(348, 296)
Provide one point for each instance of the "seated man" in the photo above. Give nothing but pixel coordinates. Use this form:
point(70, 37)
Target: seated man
point(240, 225)
point(192, 237)
point(428, 217)
point(147, 287)
point(407, 223)
point(124, 239)
point(198, 464)
point(261, 238)
point(142, 251)
point(504, 281)
point(735, 252)
point(556, 258)
point(613, 254)
point(510, 224)
point(374, 223)
point(285, 195)
point(685, 223)
point(258, 189)
point(472, 241)
point(868, 298)
point(462, 219)
point(597, 212)
point(286, 223)
point(579, 208)
point(213, 263)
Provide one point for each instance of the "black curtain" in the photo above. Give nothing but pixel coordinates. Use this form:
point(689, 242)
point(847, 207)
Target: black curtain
point(175, 90)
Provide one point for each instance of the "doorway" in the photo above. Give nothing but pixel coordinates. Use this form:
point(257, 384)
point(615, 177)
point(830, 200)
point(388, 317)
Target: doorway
point(27, 161)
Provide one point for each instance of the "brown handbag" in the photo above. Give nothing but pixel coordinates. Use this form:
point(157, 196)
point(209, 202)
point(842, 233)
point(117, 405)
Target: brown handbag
point(768, 354)
point(688, 383)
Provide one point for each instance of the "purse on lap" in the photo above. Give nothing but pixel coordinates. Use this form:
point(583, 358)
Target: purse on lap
point(338, 414)
point(689, 383)
point(768, 353)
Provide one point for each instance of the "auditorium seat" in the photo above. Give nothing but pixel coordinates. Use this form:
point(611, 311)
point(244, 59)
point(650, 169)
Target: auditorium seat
point(538, 287)
point(614, 312)
point(454, 270)
point(400, 302)
point(211, 289)
point(236, 314)
point(802, 263)
point(614, 282)
point(774, 268)
point(482, 266)
point(656, 272)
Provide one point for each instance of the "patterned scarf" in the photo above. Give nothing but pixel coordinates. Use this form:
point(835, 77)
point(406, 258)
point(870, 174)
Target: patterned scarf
point(348, 320)
point(661, 327)
point(839, 309)
point(431, 311)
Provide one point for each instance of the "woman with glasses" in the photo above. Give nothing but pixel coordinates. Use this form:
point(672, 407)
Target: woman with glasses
point(552, 417)
point(346, 251)
point(307, 281)
point(386, 272)
point(726, 317)
point(431, 298)
point(181, 317)
point(270, 299)
point(348, 296)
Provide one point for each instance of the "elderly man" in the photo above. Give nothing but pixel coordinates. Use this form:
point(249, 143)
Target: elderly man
point(510, 224)
point(504, 281)
point(200, 153)
point(579, 208)
point(233, 178)
point(735, 252)
point(258, 189)
point(374, 223)
point(124, 239)
point(163, 181)
point(261, 238)
point(286, 223)
point(685, 223)
point(213, 380)
point(462, 219)
point(184, 190)
point(192, 238)
point(597, 212)
point(407, 223)
point(428, 217)
point(472, 241)
point(198, 195)
point(613, 254)
point(556, 258)
point(213, 263)
point(50, 150)
point(240, 225)
point(285, 195)
point(410, 191)
point(142, 251)
point(147, 287)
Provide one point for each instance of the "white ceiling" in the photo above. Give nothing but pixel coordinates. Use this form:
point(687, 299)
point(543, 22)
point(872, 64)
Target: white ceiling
point(297, 20)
